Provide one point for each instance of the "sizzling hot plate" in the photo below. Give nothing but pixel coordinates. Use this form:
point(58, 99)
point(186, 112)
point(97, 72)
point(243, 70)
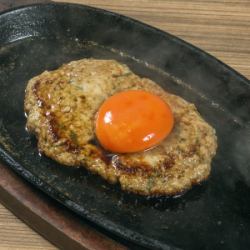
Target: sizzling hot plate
point(214, 215)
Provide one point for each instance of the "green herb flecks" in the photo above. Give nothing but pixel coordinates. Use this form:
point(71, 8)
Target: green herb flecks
point(150, 183)
point(73, 137)
point(126, 74)
point(61, 126)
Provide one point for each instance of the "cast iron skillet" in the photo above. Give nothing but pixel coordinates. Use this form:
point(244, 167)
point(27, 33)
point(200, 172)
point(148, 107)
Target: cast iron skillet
point(214, 215)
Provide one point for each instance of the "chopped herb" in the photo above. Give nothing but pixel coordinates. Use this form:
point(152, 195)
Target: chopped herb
point(73, 137)
point(77, 86)
point(150, 183)
point(126, 74)
point(61, 126)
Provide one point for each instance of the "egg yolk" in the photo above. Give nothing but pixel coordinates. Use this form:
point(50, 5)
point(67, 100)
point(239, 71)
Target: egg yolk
point(132, 121)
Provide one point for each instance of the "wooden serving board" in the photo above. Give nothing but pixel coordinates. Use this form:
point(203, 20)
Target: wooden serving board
point(46, 216)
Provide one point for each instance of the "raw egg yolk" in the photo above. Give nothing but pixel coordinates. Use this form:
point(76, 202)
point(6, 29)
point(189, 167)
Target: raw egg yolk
point(133, 120)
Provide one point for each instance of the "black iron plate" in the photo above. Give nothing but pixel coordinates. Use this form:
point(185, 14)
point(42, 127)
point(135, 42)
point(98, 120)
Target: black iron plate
point(215, 215)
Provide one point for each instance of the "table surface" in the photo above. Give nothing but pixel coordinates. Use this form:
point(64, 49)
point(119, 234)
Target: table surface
point(220, 27)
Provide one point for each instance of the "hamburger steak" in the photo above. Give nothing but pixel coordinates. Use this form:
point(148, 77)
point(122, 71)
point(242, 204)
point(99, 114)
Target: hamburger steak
point(61, 107)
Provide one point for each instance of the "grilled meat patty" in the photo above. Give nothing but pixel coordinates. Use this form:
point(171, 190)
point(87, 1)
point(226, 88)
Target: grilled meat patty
point(61, 106)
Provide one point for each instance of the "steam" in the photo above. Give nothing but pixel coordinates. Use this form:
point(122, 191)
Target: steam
point(241, 152)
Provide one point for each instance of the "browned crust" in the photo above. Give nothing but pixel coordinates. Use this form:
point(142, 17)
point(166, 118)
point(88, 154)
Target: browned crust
point(175, 165)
